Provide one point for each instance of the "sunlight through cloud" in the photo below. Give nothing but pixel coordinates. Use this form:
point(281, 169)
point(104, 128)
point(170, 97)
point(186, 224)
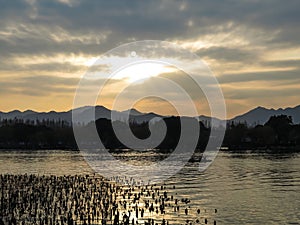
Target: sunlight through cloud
point(143, 71)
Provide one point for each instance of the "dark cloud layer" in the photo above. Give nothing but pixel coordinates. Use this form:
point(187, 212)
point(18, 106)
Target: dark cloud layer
point(129, 20)
point(230, 34)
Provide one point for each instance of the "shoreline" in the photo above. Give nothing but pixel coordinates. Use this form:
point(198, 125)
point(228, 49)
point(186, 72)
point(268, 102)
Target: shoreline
point(271, 150)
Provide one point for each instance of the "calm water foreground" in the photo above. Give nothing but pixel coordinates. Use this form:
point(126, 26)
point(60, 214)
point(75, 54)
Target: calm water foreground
point(245, 188)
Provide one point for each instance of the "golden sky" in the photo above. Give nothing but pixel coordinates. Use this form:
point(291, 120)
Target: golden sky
point(252, 47)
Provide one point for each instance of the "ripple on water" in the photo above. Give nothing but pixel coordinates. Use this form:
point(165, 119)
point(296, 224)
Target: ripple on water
point(244, 188)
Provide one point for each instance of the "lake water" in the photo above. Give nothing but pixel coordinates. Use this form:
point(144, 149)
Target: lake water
point(245, 188)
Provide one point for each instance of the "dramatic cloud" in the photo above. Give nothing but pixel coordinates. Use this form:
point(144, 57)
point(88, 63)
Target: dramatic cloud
point(46, 46)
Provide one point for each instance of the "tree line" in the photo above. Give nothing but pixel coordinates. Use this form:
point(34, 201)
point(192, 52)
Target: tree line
point(278, 132)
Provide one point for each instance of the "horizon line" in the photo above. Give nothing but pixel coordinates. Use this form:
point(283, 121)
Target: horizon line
point(282, 108)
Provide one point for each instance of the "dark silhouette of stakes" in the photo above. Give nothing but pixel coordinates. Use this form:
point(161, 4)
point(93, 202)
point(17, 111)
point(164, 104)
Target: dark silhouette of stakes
point(85, 199)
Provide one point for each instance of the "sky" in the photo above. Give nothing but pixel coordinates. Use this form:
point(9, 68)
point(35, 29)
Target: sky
point(251, 46)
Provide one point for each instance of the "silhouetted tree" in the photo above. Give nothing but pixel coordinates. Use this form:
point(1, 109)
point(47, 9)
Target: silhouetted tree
point(282, 125)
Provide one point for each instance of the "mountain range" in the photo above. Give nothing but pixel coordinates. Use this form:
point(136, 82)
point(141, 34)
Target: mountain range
point(83, 113)
point(259, 115)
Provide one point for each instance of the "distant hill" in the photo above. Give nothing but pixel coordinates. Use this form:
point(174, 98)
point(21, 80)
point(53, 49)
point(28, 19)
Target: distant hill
point(260, 115)
point(133, 112)
point(83, 113)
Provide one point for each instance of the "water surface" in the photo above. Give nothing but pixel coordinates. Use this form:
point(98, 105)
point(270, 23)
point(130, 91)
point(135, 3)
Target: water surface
point(247, 188)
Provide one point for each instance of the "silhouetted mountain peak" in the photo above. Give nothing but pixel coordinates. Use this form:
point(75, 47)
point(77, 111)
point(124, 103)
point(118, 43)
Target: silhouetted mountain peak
point(29, 111)
point(15, 111)
point(153, 114)
point(100, 107)
point(258, 108)
point(133, 112)
point(53, 112)
point(260, 115)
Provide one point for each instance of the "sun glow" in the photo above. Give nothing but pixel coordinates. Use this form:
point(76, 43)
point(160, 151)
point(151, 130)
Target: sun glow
point(142, 71)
